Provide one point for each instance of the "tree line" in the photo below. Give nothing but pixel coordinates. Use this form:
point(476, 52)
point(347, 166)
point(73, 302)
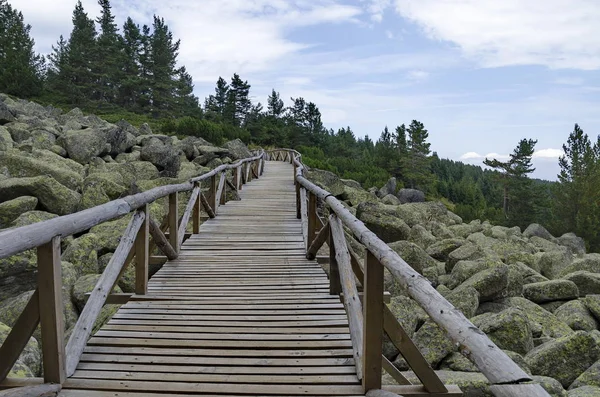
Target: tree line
point(106, 70)
point(98, 66)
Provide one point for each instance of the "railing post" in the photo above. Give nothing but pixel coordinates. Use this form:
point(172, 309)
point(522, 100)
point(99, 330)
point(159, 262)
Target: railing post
point(312, 217)
point(51, 312)
point(197, 210)
point(335, 285)
point(235, 178)
point(142, 254)
point(373, 323)
point(212, 193)
point(298, 203)
point(174, 221)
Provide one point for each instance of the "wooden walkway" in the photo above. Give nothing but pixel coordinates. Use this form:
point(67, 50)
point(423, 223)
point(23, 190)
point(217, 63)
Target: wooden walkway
point(241, 312)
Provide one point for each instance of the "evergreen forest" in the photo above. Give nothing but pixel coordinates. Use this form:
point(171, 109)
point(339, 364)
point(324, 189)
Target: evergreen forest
point(132, 72)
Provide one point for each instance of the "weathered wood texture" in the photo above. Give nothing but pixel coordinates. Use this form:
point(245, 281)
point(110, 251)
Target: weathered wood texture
point(13, 241)
point(241, 311)
point(45, 390)
point(89, 314)
point(490, 360)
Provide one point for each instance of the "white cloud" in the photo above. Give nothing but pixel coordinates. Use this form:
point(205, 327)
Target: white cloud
point(555, 33)
point(548, 154)
point(218, 37)
point(418, 75)
point(497, 156)
point(471, 156)
point(389, 34)
point(377, 8)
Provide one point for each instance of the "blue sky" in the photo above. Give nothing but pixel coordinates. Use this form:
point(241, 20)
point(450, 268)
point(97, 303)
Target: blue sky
point(480, 74)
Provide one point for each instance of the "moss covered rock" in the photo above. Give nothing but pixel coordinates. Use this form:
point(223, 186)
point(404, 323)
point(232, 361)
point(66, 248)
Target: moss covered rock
point(433, 342)
point(548, 291)
point(585, 391)
point(93, 195)
point(466, 252)
point(442, 249)
point(457, 362)
point(421, 237)
point(472, 384)
point(31, 357)
point(465, 299)
point(383, 220)
point(83, 145)
point(591, 377)
point(592, 302)
point(20, 165)
point(408, 312)
point(83, 255)
point(564, 359)
point(588, 262)
point(490, 284)
point(11, 209)
point(541, 321)
point(109, 234)
point(414, 255)
point(576, 315)
point(52, 195)
point(588, 283)
point(509, 329)
point(86, 284)
point(463, 270)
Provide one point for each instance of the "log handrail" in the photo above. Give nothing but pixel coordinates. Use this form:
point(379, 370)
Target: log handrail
point(498, 368)
point(60, 361)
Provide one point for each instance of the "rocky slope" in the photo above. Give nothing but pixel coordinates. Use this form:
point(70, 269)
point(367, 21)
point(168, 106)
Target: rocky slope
point(53, 164)
point(535, 295)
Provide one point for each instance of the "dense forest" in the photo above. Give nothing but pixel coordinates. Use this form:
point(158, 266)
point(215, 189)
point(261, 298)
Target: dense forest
point(133, 73)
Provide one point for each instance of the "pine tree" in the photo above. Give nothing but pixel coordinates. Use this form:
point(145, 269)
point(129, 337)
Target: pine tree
point(74, 62)
point(238, 101)
point(417, 171)
point(132, 47)
point(186, 101)
point(517, 204)
point(108, 57)
point(164, 52)
point(22, 70)
point(577, 195)
point(145, 75)
point(217, 103)
point(275, 105)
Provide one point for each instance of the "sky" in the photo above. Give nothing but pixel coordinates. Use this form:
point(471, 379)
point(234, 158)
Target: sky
point(480, 74)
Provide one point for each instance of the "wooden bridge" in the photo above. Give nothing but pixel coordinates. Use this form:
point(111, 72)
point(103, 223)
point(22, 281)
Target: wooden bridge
point(240, 307)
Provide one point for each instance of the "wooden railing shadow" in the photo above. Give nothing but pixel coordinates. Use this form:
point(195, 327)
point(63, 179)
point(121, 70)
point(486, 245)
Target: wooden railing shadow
point(59, 361)
point(369, 317)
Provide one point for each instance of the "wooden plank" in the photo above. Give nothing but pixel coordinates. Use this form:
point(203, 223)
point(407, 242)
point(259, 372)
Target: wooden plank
point(186, 215)
point(312, 218)
point(32, 391)
point(51, 311)
point(142, 253)
point(233, 388)
point(262, 379)
point(84, 325)
point(299, 357)
point(161, 241)
point(373, 322)
point(196, 218)
point(235, 360)
point(19, 336)
point(419, 391)
point(173, 218)
point(351, 299)
point(318, 242)
point(490, 360)
point(206, 206)
point(230, 370)
point(220, 191)
point(411, 353)
point(393, 371)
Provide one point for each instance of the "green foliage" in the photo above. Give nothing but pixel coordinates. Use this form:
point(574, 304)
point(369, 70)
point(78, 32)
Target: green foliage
point(577, 196)
point(22, 70)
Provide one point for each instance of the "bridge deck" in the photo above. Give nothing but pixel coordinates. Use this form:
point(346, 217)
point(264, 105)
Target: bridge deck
point(240, 312)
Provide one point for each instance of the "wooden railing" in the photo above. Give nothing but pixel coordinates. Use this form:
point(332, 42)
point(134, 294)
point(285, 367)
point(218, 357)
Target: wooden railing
point(45, 305)
point(369, 319)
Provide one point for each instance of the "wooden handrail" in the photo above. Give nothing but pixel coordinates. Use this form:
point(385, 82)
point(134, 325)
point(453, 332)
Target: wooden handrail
point(45, 304)
point(498, 368)
point(13, 241)
point(85, 323)
point(351, 298)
